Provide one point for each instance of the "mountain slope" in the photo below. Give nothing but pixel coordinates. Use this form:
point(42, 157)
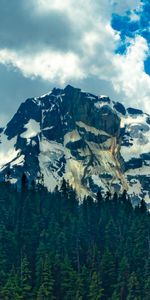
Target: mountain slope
point(89, 140)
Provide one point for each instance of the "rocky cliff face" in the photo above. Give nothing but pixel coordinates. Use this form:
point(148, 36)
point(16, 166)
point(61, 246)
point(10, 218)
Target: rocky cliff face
point(89, 140)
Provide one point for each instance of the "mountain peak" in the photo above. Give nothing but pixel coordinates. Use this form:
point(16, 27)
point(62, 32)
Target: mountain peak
point(89, 140)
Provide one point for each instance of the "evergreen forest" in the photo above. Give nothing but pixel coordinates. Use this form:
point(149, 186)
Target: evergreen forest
point(54, 247)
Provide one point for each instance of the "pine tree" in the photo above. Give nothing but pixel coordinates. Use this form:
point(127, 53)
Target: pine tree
point(108, 271)
point(111, 235)
point(146, 279)
point(64, 187)
point(80, 290)
point(133, 288)
point(3, 258)
point(68, 280)
point(45, 291)
point(85, 279)
point(115, 296)
point(95, 289)
point(143, 207)
point(121, 287)
point(11, 290)
point(147, 289)
point(99, 198)
point(24, 187)
point(123, 197)
point(24, 183)
point(108, 196)
point(115, 198)
point(25, 279)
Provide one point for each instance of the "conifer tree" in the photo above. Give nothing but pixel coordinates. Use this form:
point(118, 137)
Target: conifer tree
point(108, 271)
point(68, 280)
point(3, 258)
point(80, 291)
point(121, 287)
point(143, 207)
point(25, 279)
point(133, 288)
point(147, 288)
point(99, 198)
point(45, 291)
point(24, 183)
point(115, 197)
point(95, 289)
point(11, 290)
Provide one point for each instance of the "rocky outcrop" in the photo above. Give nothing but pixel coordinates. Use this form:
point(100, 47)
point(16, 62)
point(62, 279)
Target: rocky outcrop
point(89, 140)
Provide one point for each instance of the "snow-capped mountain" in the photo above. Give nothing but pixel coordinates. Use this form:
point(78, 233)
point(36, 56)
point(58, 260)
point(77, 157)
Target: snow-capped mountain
point(89, 140)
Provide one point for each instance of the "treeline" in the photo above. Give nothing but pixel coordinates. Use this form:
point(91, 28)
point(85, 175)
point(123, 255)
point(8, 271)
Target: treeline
point(52, 247)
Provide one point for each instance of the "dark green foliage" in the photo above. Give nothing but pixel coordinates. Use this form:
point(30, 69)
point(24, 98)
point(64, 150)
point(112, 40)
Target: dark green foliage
point(52, 247)
point(25, 279)
point(95, 288)
point(11, 290)
point(45, 291)
point(133, 288)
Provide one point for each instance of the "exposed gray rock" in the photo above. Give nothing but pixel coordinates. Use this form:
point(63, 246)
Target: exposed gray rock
point(89, 140)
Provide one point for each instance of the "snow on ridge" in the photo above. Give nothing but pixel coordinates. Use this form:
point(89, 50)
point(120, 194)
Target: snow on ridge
point(135, 119)
point(37, 100)
point(32, 129)
point(50, 153)
point(8, 151)
point(44, 95)
point(103, 96)
point(135, 187)
point(144, 171)
point(101, 103)
point(19, 161)
point(91, 97)
point(137, 148)
point(139, 136)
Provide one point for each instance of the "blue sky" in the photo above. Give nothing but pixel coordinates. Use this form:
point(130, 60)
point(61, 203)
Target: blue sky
point(101, 46)
point(130, 24)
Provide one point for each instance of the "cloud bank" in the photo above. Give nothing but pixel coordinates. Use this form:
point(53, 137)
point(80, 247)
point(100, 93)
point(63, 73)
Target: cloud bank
point(57, 42)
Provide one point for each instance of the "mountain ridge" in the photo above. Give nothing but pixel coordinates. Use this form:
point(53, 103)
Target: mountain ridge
point(89, 140)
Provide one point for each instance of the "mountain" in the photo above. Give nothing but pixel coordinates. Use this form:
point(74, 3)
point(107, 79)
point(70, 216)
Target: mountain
point(89, 140)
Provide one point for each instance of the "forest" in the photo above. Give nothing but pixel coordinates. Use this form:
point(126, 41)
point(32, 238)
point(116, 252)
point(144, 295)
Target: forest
point(53, 246)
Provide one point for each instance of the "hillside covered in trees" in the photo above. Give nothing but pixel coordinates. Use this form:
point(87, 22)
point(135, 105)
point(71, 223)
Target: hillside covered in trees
point(53, 247)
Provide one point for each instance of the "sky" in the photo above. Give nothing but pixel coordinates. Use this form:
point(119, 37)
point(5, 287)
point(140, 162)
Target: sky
point(100, 46)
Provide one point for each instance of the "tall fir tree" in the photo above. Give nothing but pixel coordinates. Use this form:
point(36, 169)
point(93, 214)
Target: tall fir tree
point(11, 290)
point(134, 292)
point(95, 288)
point(25, 279)
point(45, 291)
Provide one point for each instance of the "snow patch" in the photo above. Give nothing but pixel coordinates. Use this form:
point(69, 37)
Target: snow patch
point(8, 151)
point(44, 95)
point(135, 119)
point(103, 96)
point(135, 187)
point(32, 129)
point(18, 161)
point(50, 153)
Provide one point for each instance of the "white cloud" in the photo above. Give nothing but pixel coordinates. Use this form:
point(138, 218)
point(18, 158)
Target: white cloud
point(134, 17)
point(93, 53)
point(122, 6)
point(130, 76)
point(52, 4)
point(47, 64)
